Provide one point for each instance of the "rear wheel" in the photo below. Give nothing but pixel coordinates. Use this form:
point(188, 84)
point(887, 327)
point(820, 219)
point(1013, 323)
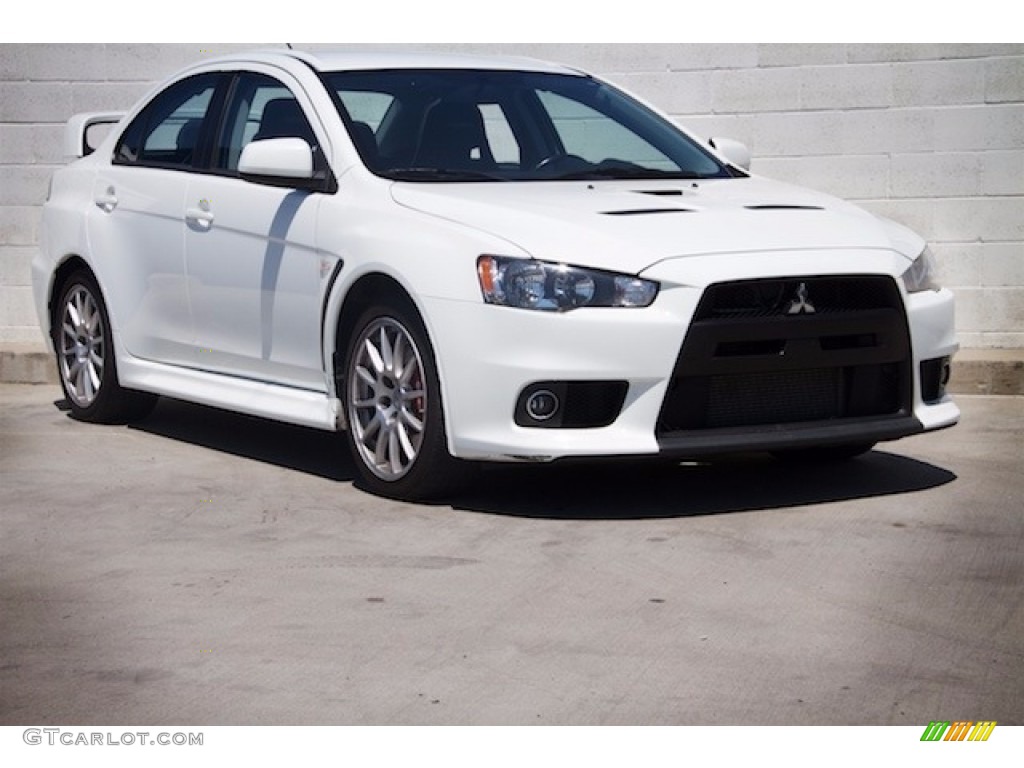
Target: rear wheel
point(393, 406)
point(85, 357)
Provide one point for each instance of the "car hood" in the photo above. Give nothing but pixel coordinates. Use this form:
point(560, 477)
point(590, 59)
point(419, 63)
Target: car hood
point(629, 226)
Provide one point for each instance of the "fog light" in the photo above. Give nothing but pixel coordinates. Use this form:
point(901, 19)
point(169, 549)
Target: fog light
point(542, 405)
point(570, 404)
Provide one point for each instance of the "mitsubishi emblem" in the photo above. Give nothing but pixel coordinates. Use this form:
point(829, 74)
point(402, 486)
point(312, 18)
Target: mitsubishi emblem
point(800, 305)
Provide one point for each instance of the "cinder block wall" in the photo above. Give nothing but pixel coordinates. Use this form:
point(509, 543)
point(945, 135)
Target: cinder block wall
point(930, 135)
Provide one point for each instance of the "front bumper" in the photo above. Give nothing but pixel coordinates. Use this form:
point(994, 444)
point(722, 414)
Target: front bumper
point(489, 355)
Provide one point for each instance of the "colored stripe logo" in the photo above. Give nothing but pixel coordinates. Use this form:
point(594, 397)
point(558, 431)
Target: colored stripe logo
point(959, 730)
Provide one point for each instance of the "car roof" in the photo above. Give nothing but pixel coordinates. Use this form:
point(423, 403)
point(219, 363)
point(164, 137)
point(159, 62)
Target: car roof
point(341, 60)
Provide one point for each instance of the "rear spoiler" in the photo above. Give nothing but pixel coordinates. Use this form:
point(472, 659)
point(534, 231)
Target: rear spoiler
point(76, 132)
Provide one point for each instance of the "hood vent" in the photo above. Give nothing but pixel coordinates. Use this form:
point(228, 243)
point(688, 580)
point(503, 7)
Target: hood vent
point(783, 207)
point(646, 211)
point(660, 192)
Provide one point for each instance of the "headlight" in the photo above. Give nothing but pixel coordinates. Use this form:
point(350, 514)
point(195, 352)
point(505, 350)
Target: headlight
point(531, 284)
point(921, 275)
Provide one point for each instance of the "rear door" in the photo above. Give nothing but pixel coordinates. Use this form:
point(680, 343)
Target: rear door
point(136, 225)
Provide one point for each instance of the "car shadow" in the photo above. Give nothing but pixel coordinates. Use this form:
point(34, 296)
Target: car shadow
point(634, 490)
point(313, 451)
point(620, 489)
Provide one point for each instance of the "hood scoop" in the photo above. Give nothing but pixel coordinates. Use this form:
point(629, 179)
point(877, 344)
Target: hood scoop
point(646, 211)
point(783, 207)
point(660, 192)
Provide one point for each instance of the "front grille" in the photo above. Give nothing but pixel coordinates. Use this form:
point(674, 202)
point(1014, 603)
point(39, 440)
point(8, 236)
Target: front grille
point(749, 362)
point(775, 298)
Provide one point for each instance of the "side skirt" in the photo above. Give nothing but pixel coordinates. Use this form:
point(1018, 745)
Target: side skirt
point(304, 407)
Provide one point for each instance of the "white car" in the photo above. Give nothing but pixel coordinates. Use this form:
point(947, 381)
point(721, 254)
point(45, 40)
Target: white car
point(474, 258)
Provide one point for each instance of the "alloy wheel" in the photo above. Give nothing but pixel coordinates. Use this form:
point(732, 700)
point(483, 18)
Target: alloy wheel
point(387, 398)
point(82, 346)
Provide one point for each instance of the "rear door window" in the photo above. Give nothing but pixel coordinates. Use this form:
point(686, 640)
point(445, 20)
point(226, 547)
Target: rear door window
point(168, 131)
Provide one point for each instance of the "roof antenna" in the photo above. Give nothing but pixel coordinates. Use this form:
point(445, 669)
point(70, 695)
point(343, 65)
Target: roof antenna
point(289, 46)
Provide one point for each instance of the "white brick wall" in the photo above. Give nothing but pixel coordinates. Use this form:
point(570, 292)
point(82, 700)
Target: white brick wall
point(930, 135)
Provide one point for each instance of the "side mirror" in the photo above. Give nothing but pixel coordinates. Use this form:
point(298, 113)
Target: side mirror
point(735, 152)
point(278, 162)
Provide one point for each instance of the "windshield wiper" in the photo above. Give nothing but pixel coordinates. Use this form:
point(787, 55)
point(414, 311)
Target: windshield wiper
point(424, 173)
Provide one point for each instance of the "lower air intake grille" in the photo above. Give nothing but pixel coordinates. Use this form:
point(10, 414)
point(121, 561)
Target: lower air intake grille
point(769, 398)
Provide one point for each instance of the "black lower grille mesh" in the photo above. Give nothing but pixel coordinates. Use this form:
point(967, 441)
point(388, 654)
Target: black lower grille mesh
point(771, 398)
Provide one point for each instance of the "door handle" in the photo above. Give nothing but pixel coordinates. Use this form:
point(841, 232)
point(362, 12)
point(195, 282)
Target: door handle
point(201, 214)
point(107, 201)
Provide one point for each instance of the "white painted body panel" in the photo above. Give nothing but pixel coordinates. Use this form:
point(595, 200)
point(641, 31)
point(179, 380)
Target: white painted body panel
point(239, 309)
point(254, 281)
point(576, 222)
point(148, 292)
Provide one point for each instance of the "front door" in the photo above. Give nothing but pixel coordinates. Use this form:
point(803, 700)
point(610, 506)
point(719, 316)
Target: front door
point(254, 272)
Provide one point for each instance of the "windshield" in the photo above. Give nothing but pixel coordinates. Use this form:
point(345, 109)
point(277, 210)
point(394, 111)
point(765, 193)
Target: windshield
point(475, 125)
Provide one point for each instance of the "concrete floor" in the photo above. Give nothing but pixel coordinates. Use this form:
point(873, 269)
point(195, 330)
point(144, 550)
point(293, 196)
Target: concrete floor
point(206, 568)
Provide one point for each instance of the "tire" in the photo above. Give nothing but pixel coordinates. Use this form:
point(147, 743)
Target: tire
point(396, 427)
point(85, 357)
point(825, 454)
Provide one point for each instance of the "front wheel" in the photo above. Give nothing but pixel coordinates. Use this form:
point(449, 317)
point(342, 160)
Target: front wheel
point(393, 407)
point(85, 357)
